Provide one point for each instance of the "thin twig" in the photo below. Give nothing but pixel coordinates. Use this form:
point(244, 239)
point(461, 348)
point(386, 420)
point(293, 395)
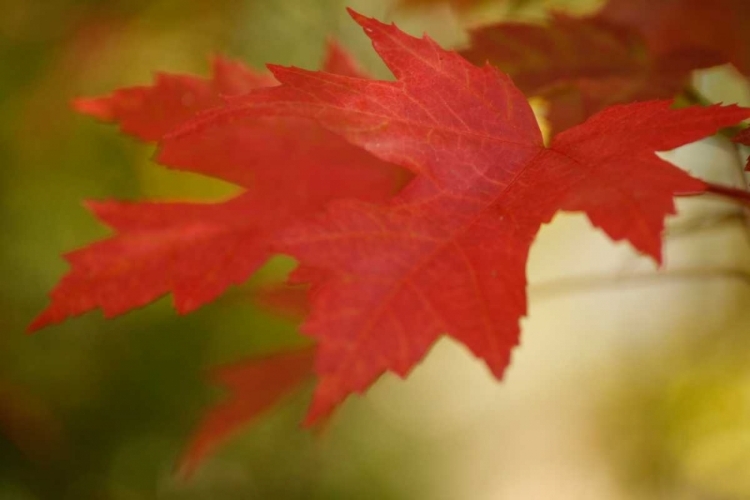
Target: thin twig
point(732, 193)
point(552, 288)
point(696, 224)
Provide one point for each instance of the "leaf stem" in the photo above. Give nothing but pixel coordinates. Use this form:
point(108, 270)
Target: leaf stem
point(559, 286)
point(735, 194)
point(705, 223)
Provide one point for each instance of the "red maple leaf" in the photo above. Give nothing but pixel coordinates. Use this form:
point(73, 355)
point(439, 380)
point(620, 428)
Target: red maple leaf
point(582, 65)
point(289, 168)
point(255, 386)
point(672, 27)
point(448, 253)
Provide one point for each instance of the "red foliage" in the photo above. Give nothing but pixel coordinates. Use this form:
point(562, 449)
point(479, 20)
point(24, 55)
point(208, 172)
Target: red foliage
point(582, 65)
point(197, 250)
point(255, 385)
point(674, 27)
point(448, 254)
point(322, 158)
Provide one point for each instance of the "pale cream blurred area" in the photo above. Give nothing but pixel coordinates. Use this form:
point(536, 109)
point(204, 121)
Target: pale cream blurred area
point(630, 381)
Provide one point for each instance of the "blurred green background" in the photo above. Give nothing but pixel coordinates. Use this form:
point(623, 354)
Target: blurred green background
point(102, 409)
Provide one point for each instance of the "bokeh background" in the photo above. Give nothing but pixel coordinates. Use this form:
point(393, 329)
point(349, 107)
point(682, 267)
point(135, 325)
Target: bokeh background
point(628, 383)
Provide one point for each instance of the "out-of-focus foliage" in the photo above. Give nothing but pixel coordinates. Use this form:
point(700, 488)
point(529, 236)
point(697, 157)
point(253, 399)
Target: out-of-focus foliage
point(680, 425)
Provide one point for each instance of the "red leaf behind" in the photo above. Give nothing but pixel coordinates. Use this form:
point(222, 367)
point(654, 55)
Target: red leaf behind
point(255, 386)
point(582, 65)
point(674, 26)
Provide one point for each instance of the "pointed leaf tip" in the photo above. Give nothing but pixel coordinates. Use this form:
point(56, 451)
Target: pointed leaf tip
point(98, 107)
point(36, 324)
point(368, 23)
point(358, 18)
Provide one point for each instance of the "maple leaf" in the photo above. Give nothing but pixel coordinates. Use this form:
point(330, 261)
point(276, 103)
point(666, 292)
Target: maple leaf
point(289, 167)
point(672, 27)
point(582, 65)
point(255, 385)
point(447, 255)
